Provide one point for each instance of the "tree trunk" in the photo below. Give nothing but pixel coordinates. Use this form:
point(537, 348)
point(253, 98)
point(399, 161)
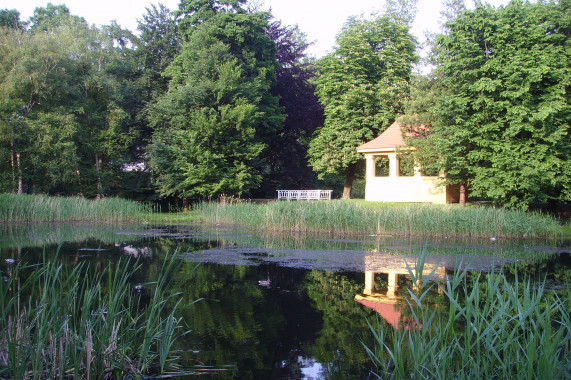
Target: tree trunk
point(13, 165)
point(185, 205)
point(20, 185)
point(98, 169)
point(79, 182)
point(462, 194)
point(349, 177)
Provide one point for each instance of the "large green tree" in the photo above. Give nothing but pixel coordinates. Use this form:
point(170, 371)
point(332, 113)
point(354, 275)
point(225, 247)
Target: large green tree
point(502, 123)
point(10, 18)
point(362, 85)
point(159, 43)
point(218, 115)
point(59, 113)
point(137, 70)
point(36, 72)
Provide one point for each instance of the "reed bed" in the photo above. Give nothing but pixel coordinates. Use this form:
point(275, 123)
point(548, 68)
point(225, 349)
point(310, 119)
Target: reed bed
point(43, 208)
point(350, 217)
point(492, 329)
point(82, 323)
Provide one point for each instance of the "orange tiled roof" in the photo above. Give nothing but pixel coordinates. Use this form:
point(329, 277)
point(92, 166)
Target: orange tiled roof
point(390, 138)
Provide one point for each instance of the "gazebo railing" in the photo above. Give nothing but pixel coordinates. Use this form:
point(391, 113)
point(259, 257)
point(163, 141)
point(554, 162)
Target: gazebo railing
point(304, 194)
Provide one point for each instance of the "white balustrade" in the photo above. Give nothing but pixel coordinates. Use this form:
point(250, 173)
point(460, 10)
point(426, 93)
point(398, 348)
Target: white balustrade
point(304, 194)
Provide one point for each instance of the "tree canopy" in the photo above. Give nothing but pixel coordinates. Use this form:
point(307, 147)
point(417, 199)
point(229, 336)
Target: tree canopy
point(287, 151)
point(361, 85)
point(59, 113)
point(501, 123)
point(211, 141)
point(219, 98)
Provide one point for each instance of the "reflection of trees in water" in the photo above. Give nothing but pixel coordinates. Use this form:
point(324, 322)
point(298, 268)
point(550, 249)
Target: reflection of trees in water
point(345, 329)
point(555, 269)
point(553, 272)
point(43, 234)
point(240, 323)
point(258, 330)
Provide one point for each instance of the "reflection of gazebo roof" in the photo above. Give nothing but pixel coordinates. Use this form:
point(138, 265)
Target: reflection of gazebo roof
point(385, 307)
point(382, 305)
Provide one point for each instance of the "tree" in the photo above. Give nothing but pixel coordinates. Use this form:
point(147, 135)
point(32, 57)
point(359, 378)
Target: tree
point(195, 12)
point(59, 109)
point(10, 18)
point(158, 45)
point(362, 86)
point(137, 69)
point(452, 9)
point(33, 67)
point(10, 41)
point(402, 11)
point(287, 153)
point(502, 125)
point(218, 115)
point(52, 17)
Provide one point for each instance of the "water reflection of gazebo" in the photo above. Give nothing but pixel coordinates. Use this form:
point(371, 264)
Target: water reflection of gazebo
point(385, 301)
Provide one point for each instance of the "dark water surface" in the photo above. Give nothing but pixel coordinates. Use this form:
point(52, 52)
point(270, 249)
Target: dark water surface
point(282, 306)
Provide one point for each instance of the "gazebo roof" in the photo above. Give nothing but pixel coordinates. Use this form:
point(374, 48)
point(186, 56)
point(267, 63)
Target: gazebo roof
point(389, 139)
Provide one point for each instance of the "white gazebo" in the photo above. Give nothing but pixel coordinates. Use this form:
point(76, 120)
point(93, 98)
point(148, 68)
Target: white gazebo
point(393, 176)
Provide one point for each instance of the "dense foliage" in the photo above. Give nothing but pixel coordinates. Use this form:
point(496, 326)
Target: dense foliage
point(91, 111)
point(211, 142)
point(219, 98)
point(501, 114)
point(287, 152)
point(362, 85)
point(63, 127)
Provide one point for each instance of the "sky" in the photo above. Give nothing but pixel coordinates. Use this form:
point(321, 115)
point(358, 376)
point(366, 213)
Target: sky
point(320, 20)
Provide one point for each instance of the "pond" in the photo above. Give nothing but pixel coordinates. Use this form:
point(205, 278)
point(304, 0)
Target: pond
point(282, 306)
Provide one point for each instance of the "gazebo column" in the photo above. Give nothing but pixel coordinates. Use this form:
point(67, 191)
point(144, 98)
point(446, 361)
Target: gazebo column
point(369, 282)
point(393, 165)
point(370, 166)
point(393, 278)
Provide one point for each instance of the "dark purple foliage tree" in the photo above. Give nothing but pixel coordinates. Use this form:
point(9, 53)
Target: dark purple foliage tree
point(287, 154)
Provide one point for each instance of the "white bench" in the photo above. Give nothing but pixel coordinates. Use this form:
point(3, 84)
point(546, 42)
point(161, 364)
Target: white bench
point(304, 194)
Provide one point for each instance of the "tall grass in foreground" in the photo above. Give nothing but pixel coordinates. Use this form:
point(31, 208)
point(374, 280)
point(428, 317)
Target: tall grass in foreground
point(349, 217)
point(492, 329)
point(43, 208)
point(77, 323)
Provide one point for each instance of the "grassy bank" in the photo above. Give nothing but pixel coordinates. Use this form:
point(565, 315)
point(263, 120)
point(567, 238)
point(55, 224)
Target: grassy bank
point(358, 217)
point(84, 323)
point(492, 329)
point(43, 208)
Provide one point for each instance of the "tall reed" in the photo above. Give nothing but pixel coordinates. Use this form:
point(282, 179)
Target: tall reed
point(349, 217)
point(81, 323)
point(492, 329)
point(43, 208)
